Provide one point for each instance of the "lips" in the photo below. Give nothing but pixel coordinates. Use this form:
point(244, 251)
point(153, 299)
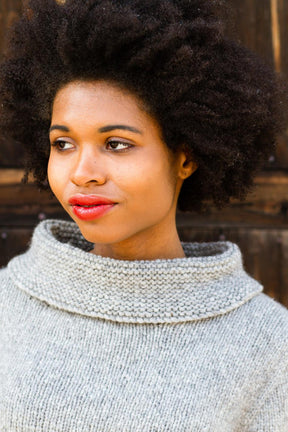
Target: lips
point(90, 207)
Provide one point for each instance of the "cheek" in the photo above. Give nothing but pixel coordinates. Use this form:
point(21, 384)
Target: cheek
point(56, 175)
point(148, 180)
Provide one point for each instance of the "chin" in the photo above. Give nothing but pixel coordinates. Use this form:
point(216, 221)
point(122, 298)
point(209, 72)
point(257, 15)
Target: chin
point(100, 235)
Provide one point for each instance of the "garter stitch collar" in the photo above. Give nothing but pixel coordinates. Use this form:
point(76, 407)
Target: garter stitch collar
point(58, 270)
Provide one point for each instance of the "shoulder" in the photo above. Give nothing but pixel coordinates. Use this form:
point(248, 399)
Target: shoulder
point(5, 288)
point(4, 279)
point(262, 324)
point(267, 321)
point(255, 333)
point(267, 314)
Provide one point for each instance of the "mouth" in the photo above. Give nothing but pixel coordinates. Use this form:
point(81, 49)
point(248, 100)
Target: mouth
point(87, 206)
point(90, 207)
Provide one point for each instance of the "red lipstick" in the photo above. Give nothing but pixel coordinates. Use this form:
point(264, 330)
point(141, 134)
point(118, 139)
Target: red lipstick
point(90, 207)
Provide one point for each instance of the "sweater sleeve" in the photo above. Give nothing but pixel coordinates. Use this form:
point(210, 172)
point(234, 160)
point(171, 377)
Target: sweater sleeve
point(270, 411)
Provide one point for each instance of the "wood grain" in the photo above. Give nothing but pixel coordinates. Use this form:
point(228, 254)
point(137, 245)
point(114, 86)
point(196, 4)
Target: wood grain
point(276, 36)
point(11, 176)
point(9, 12)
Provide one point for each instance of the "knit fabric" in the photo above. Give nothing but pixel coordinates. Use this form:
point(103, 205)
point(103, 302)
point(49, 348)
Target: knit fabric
point(96, 344)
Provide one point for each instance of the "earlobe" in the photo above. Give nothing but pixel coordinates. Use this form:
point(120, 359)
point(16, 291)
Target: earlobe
point(187, 166)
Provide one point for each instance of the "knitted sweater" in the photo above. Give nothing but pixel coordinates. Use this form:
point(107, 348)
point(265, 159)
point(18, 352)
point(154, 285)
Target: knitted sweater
point(94, 344)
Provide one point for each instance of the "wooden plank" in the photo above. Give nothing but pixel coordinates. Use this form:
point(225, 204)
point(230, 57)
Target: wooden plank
point(283, 20)
point(9, 12)
point(251, 24)
point(262, 27)
point(276, 36)
point(11, 154)
point(13, 242)
point(283, 286)
point(272, 178)
point(11, 176)
point(281, 64)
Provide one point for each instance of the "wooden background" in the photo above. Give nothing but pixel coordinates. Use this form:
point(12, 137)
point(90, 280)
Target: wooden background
point(259, 225)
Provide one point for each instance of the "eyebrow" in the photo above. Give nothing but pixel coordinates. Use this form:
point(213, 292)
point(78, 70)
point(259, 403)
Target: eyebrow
point(117, 126)
point(59, 127)
point(101, 130)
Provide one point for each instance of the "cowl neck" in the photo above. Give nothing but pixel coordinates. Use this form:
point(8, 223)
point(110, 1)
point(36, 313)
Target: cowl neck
point(59, 270)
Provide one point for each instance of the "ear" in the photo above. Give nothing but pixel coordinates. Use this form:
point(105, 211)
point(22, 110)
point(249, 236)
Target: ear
point(187, 166)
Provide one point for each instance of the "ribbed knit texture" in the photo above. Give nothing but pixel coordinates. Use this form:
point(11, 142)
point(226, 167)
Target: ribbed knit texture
point(93, 344)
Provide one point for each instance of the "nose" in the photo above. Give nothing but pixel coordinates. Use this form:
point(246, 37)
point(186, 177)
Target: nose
point(88, 168)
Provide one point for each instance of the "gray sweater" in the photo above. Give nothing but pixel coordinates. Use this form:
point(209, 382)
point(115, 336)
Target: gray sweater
point(93, 344)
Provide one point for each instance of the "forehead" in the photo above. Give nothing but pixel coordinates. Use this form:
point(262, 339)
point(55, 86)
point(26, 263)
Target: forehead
point(100, 99)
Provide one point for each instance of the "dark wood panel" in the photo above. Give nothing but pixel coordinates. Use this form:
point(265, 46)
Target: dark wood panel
point(13, 241)
point(9, 12)
point(282, 6)
point(10, 153)
point(262, 27)
point(251, 25)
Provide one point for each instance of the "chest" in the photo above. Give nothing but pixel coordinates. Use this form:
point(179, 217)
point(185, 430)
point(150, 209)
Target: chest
point(99, 378)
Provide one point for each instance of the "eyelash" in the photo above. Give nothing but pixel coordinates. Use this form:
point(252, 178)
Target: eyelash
point(57, 144)
point(128, 145)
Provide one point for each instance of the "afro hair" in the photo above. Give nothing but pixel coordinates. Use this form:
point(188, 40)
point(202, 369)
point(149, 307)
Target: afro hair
point(208, 93)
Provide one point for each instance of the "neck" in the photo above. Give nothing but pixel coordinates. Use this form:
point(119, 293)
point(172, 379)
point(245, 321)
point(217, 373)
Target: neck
point(144, 246)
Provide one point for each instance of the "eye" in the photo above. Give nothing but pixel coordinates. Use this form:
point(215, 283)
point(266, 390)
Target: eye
point(62, 145)
point(118, 146)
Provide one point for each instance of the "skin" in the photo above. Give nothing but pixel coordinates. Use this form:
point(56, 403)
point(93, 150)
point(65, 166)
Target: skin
point(131, 167)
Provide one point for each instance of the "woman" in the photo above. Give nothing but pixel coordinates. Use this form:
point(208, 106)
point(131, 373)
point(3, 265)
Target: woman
point(110, 323)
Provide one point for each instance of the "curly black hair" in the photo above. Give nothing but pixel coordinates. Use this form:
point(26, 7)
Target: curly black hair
point(207, 92)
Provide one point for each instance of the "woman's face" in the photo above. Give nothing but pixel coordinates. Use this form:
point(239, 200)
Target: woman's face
point(110, 168)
